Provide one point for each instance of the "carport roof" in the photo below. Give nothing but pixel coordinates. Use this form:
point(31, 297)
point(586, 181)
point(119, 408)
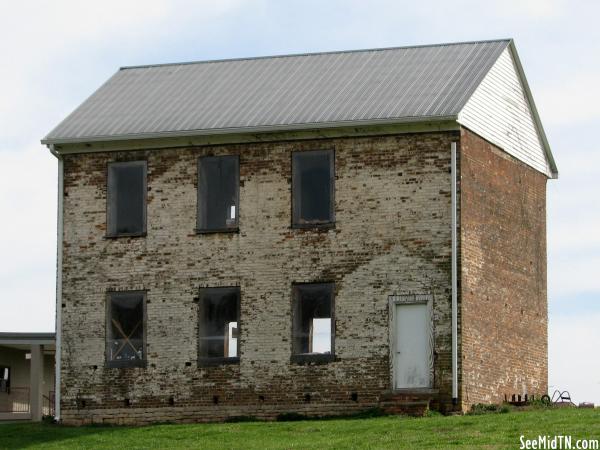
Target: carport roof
point(12, 339)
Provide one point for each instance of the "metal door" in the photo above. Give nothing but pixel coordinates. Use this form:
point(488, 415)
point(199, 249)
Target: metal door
point(412, 347)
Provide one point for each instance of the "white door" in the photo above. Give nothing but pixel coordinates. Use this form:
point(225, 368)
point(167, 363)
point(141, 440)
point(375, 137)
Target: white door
point(412, 349)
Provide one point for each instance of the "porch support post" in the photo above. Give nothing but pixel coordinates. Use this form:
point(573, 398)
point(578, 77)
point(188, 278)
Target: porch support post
point(36, 373)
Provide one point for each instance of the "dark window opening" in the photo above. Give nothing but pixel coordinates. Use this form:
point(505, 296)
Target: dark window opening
point(126, 198)
point(218, 191)
point(313, 319)
point(125, 346)
point(218, 324)
point(5, 379)
point(313, 187)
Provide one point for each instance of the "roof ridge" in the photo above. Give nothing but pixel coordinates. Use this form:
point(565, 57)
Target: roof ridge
point(334, 52)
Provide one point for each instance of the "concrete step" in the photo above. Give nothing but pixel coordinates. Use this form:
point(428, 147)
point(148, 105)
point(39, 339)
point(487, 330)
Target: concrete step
point(407, 403)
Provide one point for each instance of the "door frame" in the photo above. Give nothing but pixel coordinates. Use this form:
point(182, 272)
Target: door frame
point(409, 299)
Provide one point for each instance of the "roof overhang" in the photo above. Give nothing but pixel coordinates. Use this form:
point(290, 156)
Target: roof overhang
point(185, 138)
point(27, 339)
point(534, 111)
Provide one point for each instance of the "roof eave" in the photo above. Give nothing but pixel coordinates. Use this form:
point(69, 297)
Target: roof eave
point(247, 130)
point(26, 338)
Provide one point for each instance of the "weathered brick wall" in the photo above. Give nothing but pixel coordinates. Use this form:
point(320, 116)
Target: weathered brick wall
point(503, 274)
point(392, 235)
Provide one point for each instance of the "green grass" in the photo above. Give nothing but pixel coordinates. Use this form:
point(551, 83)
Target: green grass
point(482, 431)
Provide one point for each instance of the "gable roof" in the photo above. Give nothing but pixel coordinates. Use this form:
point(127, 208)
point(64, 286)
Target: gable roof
point(281, 93)
point(404, 83)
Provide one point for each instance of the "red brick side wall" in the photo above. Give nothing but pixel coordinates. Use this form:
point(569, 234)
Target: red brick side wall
point(503, 274)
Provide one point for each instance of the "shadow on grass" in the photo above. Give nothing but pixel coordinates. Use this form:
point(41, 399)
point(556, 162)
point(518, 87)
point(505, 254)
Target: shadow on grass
point(366, 414)
point(29, 434)
point(25, 434)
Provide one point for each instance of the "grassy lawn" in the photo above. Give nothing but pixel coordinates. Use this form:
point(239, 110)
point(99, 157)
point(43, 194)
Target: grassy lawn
point(484, 431)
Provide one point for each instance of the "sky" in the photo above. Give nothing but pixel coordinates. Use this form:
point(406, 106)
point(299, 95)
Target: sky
point(54, 54)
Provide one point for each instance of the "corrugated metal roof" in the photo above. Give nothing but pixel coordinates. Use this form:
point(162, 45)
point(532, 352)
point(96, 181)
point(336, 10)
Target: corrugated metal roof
point(282, 92)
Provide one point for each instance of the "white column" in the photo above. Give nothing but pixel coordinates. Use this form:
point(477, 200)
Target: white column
point(36, 373)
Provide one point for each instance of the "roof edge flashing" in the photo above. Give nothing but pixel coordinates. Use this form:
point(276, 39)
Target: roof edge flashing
point(536, 117)
point(9, 338)
point(333, 52)
point(256, 137)
point(246, 130)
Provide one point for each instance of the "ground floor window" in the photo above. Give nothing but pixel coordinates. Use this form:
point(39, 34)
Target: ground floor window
point(313, 322)
point(313, 326)
point(125, 337)
point(218, 325)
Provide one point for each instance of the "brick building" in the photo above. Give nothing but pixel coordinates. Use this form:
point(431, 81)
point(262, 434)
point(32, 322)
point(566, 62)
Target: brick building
point(319, 234)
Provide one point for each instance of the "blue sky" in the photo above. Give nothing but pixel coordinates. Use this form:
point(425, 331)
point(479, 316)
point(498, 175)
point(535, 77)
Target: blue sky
point(55, 54)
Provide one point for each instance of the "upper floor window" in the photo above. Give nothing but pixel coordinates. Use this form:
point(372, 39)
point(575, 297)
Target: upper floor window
point(218, 191)
point(218, 325)
point(126, 329)
point(313, 322)
point(126, 198)
point(313, 188)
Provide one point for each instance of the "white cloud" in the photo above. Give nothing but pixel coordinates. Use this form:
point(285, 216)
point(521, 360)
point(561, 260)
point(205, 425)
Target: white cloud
point(28, 195)
point(573, 275)
point(27, 239)
point(530, 9)
point(573, 238)
point(573, 361)
point(570, 98)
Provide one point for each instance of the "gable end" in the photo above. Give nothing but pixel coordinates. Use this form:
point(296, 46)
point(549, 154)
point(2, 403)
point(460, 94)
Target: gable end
point(502, 111)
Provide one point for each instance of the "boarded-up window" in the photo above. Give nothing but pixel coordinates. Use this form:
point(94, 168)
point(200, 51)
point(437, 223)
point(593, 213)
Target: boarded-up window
point(313, 329)
point(313, 187)
point(126, 198)
point(218, 324)
point(125, 337)
point(218, 188)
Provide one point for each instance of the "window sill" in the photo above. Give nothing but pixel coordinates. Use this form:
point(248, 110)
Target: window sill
point(316, 358)
point(126, 364)
point(317, 225)
point(125, 235)
point(211, 362)
point(220, 230)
